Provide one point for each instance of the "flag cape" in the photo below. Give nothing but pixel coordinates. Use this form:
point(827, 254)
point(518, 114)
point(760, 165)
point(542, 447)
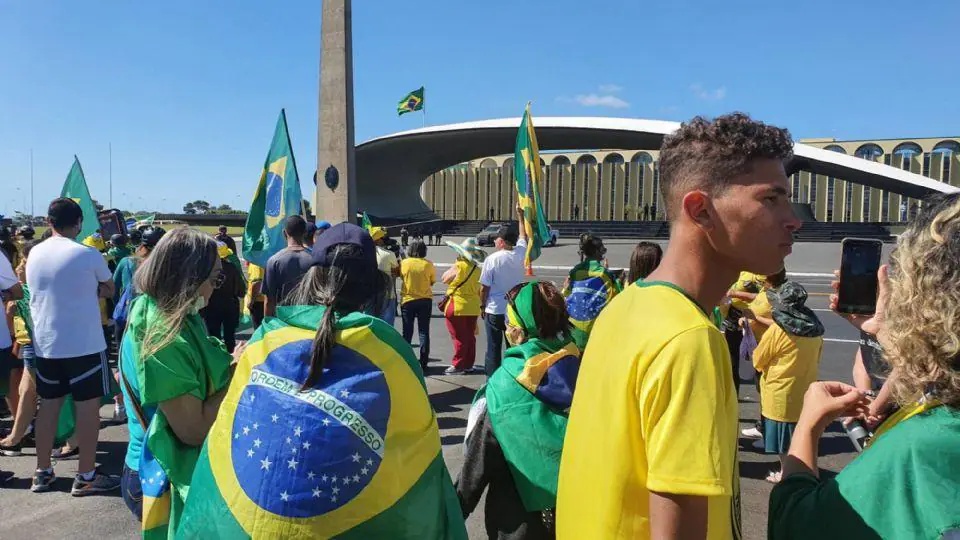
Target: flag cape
point(193, 363)
point(75, 188)
point(412, 102)
point(527, 401)
point(277, 197)
point(590, 288)
point(355, 456)
point(528, 173)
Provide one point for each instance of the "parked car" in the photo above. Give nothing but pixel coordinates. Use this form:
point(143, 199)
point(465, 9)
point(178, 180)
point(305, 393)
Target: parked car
point(554, 237)
point(487, 235)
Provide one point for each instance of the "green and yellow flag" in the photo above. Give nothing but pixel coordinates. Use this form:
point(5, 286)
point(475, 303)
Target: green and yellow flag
point(413, 102)
point(354, 456)
point(365, 222)
point(277, 197)
point(528, 173)
point(76, 188)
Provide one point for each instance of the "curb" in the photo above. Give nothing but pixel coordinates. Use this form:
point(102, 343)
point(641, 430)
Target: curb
point(565, 268)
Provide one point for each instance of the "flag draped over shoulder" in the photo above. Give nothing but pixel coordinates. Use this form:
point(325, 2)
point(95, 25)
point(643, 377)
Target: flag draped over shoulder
point(412, 102)
point(528, 173)
point(590, 287)
point(357, 455)
point(277, 197)
point(75, 187)
point(527, 402)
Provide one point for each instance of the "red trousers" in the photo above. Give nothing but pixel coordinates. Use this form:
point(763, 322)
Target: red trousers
point(462, 330)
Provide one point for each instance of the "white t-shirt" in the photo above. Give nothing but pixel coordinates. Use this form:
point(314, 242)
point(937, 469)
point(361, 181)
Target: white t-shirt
point(386, 262)
point(8, 280)
point(502, 271)
point(63, 277)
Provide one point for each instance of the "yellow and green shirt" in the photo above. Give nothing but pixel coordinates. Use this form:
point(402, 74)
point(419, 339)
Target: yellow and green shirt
point(417, 277)
point(655, 410)
point(788, 365)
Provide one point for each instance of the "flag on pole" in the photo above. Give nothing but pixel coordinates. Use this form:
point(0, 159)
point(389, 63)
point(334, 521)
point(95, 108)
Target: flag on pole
point(76, 188)
point(413, 102)
point(528, 173)
point(277, 197)
point(365, 222)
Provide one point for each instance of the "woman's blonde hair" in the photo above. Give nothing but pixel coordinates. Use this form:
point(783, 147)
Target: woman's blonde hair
point(923, 310)
point(172, 275)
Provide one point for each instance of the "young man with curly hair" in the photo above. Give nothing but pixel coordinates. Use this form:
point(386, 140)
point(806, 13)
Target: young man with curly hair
point(650, 450)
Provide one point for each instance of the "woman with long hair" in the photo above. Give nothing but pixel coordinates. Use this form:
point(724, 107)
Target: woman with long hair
point(173, 375)
point(904, 484)
point(326, 430)
point(417, 276)
point(518, 420)
point(589, 287)
point(643, 261)
point(461, 304)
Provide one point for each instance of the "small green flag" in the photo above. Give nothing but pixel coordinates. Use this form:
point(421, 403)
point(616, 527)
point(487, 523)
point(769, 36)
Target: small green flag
point(413, 102)
point(76, 188)
point(277, 197)
point(367, 225)
point(528, 174)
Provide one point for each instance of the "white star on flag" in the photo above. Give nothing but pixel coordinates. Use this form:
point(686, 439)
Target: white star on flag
point(253, 397)
point(236, 435)
point(333, 479)
point(306, 445)
point(256, 443)
point(284, 496)
point(274, 418)
point(344, 393)
point(292, 463)
point(256, 425)
point(335, 490)
point(369, 463)
point(317, 492)
point(346, 480)
point(323, 478)
point(333, 499)
point(364, 471)
point(289, 440)
point(310, 475)
point(265, 464)
point(297, 431)
point(326, 421)
point(356, 457)
point(246, 430)
point(356, 479)
point(249, 453)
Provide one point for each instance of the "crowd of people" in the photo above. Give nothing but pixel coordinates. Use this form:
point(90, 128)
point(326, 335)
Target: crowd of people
point(612, 412)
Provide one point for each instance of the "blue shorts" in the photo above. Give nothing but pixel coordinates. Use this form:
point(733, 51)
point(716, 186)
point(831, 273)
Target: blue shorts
point(28, 356)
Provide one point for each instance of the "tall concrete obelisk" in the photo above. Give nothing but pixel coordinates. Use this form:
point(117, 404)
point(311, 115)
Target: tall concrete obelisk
point(336, 197)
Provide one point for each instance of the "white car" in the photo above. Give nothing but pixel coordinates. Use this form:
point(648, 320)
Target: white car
point(554, 237)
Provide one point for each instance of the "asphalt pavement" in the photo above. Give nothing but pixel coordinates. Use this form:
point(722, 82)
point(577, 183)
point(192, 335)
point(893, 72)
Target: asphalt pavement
point(25, 515)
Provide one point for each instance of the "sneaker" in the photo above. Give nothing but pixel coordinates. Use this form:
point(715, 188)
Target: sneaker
point(99, 484)
point(14, 450)
point(59, 454)
point(453, 371)
point(752, 433)
point(476, 369)
point(42, 480)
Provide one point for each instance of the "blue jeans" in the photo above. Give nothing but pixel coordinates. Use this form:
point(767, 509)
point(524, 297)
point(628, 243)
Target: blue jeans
point(419, 311)
point(132, 491)
point(389, 311)
point(496, 325)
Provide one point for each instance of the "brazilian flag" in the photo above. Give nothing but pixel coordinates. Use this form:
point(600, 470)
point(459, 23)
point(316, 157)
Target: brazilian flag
point(528, 174)
point(413, 102)
point(589, 288)
point(357, 455)
point(367, 225)
point(75, 187)
point(277, 197)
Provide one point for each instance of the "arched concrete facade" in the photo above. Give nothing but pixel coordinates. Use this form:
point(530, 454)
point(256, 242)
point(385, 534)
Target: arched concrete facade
point(391, 169)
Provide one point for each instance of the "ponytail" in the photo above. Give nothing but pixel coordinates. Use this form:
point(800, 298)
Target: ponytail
point(323, 343)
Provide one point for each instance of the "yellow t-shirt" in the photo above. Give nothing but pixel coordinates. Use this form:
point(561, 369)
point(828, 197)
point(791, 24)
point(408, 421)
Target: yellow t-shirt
point(417, 277)
point(655, 410)
point(761, 307)
point(789, 365)
point(254, 274)
point(466, 299)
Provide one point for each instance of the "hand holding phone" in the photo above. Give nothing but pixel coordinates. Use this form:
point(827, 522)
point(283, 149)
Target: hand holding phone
point(859, 263)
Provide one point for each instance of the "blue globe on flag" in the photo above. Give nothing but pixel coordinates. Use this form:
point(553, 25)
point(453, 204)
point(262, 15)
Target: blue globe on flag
point(274, 200)
point(587, 298)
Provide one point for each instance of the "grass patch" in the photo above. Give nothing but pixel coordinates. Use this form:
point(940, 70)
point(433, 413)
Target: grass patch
point(209, 229)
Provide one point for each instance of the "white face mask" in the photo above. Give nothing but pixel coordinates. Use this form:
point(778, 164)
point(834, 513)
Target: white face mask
point(199, 303)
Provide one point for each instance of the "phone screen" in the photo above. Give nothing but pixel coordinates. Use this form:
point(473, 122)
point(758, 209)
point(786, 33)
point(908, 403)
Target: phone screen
point(858, 276)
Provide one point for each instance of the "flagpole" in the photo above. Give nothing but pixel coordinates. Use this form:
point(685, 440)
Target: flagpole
point(110, 152)
point(423, 97)
point(31, 184)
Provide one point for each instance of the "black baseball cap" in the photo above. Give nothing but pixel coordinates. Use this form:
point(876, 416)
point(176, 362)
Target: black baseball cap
point(345, 233)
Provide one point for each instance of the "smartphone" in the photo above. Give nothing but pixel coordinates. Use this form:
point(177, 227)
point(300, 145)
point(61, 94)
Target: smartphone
point(859, 263)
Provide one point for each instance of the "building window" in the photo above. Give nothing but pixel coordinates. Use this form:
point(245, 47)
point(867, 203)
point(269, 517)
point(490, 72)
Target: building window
point(926, 164)
point(639, 161)
point(848, 203)
point(626, 188)
point(947, 149)
point(865, 208)
point(835, 148)
point(869, 151)
point(559, 172)
point(813, 193)
point(795, 191)
point(476, 196)
point(655, 209)
point(907, 150)
point(830, 195)
point(573, 191)
point(884, 206)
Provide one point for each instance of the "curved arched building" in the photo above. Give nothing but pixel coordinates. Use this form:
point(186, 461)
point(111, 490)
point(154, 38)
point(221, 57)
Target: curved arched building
point(465, 171)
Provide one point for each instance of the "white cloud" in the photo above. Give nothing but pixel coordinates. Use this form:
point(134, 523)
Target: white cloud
point(597, 100)
point(609, 88)
point(706, 94)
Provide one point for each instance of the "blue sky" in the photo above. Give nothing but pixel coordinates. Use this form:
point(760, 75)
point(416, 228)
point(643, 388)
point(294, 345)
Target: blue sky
point(188, 92)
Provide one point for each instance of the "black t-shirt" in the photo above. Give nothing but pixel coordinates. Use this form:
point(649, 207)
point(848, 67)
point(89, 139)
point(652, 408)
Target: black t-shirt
point(284, 272)
point(872, 353)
